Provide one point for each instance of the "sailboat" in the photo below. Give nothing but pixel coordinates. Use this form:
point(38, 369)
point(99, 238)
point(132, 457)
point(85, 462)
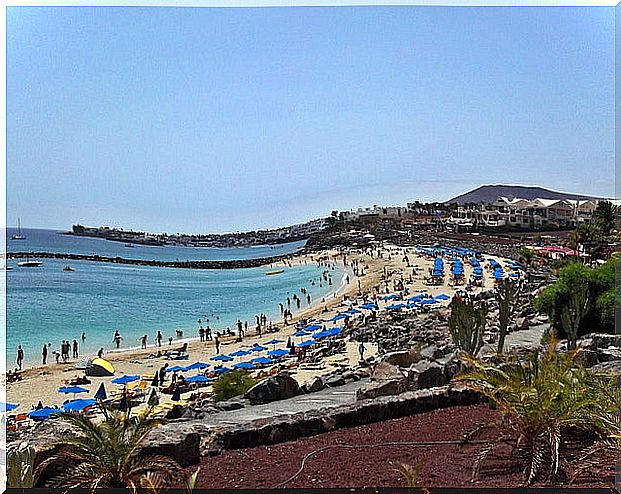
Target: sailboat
point(19, 235)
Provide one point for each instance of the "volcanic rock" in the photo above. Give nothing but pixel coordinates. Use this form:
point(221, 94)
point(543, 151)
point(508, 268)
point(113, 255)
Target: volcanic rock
point(278, 387)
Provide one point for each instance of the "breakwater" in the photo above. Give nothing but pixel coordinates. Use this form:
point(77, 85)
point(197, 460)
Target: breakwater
point(225, 264)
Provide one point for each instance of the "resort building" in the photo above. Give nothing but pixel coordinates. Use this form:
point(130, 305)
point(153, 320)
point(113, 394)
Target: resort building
point(524, 213)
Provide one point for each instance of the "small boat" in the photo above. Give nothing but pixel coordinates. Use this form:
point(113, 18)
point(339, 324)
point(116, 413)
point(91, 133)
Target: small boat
point(19, 235)
point(29, 264)
point(68, 268)
point(276, 271)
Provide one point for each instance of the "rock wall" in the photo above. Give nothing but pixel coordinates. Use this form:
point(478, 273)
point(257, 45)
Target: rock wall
point(186, 441)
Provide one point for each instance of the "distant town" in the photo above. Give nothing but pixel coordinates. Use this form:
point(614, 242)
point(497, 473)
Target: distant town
point(462, 214)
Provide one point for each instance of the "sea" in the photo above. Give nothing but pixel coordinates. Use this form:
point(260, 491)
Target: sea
point(47, 305)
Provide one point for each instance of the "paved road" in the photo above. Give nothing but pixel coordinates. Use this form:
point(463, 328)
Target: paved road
point(530, 337)
point(326, 398)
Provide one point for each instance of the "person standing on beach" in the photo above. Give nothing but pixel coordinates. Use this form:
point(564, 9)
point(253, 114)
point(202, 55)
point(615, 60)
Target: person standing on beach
point(208, 336)
point(158, 338)
point(217, 342)
point(99, 353)
point(143, 342)
point(75, 348)
point(201, 333)
point(44, 354)
point(361, 350)
point(20, 357)
point(162, 374)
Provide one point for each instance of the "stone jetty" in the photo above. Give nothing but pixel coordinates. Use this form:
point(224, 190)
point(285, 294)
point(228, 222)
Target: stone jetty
point(227, 264)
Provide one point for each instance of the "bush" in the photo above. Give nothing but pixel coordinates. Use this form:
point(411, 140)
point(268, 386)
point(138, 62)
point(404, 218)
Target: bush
point(599, 316)
point(540, 398)
point(232, 384)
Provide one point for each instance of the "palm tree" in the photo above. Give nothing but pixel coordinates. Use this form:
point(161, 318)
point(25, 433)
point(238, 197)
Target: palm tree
point(107, 454)
point(606, 215)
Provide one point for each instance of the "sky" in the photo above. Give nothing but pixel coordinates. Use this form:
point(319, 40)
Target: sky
point(226, 119)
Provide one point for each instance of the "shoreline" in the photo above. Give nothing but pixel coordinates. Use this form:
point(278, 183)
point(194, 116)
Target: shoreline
point(40, 382)
point(330, 299)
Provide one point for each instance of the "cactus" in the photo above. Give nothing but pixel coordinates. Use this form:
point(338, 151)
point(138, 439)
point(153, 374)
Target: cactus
point(20, 466)
point(507, 296)
point(573, 310)
point(467, 324)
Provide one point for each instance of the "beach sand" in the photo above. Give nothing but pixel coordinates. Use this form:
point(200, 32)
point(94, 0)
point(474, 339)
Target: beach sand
point(41, 383)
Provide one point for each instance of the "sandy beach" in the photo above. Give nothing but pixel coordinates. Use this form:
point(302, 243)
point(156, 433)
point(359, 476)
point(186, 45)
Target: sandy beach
point(379, 277)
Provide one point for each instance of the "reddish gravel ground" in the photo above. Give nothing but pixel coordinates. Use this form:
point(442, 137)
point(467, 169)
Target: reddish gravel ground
point(373, 466)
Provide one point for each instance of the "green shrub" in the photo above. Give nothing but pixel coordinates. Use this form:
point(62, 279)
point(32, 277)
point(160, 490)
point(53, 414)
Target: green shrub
point(599, 314)
point(232, 384)
point(540, 398)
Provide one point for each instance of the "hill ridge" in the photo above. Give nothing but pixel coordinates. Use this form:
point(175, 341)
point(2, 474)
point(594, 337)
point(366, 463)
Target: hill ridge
point(490, 192)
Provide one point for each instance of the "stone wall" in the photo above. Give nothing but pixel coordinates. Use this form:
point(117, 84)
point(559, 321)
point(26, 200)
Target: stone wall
point(187, 440)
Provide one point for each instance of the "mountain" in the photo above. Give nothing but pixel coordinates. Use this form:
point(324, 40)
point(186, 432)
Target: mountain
point(489, 193)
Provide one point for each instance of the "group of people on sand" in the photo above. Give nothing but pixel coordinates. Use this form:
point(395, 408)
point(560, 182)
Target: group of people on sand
point(68, 350)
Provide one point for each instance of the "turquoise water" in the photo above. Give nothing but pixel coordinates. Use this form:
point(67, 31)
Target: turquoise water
point(47, 304)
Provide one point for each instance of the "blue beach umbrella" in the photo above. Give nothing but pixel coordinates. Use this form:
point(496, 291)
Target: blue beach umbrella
point(239, 353)
point(7, 407)
point(262, 360)
point(334, 331)
point(174, 368)
point(306, 343)
point(321, 335)
point(78, 405)
point(338, 317)
point(369, 306)
point(72, 389)
point(396, 306)
point(258, 348)
point(244, 365)
point(301, 333)
point(197, 366)
point(278, 353)
point(390, 297)
point(353, 311)
point(199, 379)
point(125, 379)
point(274, 342)
point(313, 327)
point(101, 393)
point(43, 413)
point(221, 370)
point(222, 358)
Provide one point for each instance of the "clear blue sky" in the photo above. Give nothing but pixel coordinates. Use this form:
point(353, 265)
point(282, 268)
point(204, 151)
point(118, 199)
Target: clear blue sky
point(211, 120)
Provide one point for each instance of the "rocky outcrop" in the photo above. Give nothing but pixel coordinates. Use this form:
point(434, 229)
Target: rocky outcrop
point(403, 358)
point(385, 371)
point(382, 388)
point(426, 374)
point(312, 385)
point(278, 387)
